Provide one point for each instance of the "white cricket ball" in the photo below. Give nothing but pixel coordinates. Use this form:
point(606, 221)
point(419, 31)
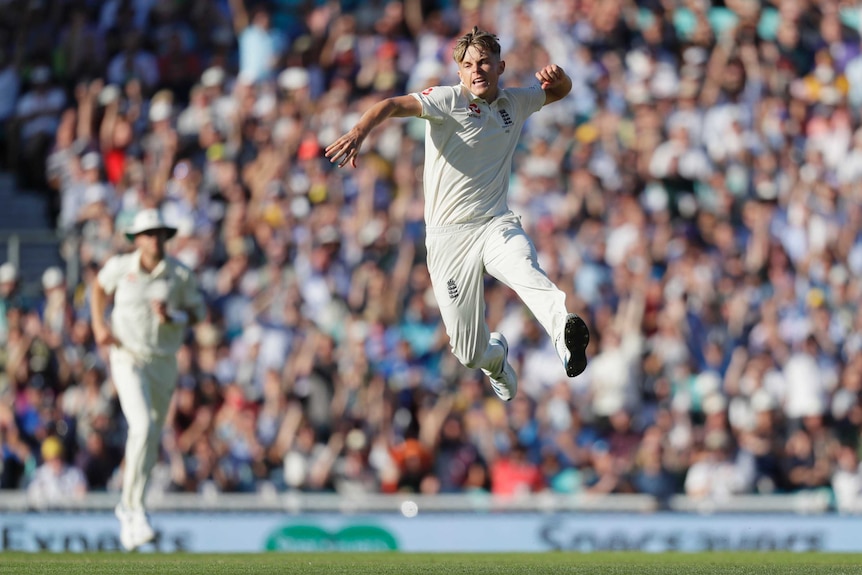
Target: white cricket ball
point(409, 508)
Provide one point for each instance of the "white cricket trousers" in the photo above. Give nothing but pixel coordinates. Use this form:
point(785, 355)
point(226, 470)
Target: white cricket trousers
point(144, 387)
point(458, 257)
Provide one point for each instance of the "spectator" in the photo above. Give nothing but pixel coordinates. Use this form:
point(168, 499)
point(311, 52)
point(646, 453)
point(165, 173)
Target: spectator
point(10, 86)
point(846, 481)
point(10, 296)
point(623, 440)
point(89, 397)
point(116, 134)
point(85, 196)
point(806, 468)
point(177, 65)
point(55, 310)
point(134, 61)
point(351, 474)
point(414, 460)
point(17, 456)
point(714, 475)
point(260, 45)
point(80, 47)
point(300, 457)
point(513, 475)
point(764, 444)
point(454, 456)
point(238, 448)
point(650, 475)
point(604, 474)
point(55, 481)
point(37, 116)
point(98, 462)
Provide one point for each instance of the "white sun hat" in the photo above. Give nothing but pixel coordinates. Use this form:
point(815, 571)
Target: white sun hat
point(8, 273)
point(146, 220)
point(160, 110)
point(53, 277)
point(213, 76)
point(293, 78)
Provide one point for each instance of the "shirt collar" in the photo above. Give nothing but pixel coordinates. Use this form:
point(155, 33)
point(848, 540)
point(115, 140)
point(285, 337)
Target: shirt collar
point(160, 268)
point(502, 94)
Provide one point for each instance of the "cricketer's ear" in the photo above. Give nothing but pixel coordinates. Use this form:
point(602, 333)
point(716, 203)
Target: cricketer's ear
point(501, 67)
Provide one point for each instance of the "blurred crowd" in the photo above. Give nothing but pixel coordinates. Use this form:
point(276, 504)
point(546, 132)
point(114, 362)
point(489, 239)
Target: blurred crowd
point(698, 196)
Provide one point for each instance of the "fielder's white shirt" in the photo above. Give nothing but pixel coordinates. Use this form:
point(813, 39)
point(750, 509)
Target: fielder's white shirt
point(468, 150)
point(132, 320)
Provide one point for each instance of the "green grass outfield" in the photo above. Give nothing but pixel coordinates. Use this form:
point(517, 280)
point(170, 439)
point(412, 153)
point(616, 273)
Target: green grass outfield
point(446, 563)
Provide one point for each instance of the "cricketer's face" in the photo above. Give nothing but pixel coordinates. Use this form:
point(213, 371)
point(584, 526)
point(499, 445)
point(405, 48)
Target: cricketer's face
point(480, 72)
point(152, 243)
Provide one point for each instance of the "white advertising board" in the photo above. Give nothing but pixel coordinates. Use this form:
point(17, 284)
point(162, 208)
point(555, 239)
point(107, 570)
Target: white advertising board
point(438, 532)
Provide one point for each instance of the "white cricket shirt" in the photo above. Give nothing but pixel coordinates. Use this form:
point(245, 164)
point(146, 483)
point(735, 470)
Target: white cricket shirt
point(468, 150)
point(132, 320)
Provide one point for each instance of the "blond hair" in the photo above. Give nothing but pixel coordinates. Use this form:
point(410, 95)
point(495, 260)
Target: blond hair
point(481, 39)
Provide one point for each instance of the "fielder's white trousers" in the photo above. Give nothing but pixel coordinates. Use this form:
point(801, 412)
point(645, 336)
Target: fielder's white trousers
point(144, 387)
point(459, 256)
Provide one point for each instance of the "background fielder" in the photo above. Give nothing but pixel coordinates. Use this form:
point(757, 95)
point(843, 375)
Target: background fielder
point(470, 139)
point(155, 298)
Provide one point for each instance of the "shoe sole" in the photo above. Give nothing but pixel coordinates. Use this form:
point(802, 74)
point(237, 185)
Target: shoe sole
point(577, 338)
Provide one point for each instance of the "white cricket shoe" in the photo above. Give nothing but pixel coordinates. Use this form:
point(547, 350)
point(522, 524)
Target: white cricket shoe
point(135, 528)
point(505, 383)
point(572, 345)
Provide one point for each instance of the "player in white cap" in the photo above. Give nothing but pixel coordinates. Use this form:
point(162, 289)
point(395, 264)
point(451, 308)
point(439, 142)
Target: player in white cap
point(470, 138)
point(155, 297)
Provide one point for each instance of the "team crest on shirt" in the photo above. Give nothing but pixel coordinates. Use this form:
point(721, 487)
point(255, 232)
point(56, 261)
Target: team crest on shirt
point(453, 289)
point(131, 278)
point(473, 110)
